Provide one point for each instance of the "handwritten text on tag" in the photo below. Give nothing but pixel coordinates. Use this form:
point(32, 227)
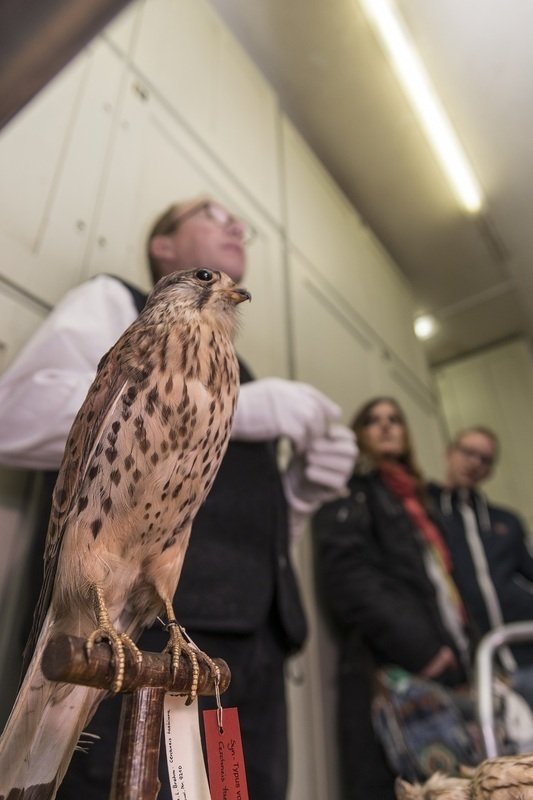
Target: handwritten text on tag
point(225, 758)
point(186, 768)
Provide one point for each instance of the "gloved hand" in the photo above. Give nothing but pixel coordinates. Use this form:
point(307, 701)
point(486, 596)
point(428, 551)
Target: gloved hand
point(274, 407)
point(320, 473)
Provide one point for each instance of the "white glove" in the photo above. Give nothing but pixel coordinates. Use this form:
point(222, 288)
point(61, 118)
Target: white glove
point(321, 473)
point(274, 407)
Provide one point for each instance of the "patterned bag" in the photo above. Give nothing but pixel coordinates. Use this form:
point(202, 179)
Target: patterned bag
point(423, 726)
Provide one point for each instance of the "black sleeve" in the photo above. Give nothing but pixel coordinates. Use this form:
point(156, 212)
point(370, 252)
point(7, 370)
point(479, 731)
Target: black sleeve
point(361, 590)
point(525, 557)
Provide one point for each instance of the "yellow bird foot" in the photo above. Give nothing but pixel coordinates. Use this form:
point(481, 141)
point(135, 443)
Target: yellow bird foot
point(180, 643)
point(117, 641)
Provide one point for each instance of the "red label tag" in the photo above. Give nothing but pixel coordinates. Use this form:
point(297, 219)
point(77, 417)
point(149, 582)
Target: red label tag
point(225, 759)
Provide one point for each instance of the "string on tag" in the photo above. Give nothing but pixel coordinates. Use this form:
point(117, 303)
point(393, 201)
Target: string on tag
point(219, 704)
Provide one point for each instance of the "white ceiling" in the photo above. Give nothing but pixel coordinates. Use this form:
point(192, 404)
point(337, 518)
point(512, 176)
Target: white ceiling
point(336, 85)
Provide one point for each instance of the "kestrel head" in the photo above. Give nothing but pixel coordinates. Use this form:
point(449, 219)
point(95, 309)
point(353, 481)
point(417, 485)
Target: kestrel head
point(204, 293)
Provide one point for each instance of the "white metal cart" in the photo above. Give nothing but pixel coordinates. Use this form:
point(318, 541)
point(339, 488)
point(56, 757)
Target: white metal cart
point(501, 636)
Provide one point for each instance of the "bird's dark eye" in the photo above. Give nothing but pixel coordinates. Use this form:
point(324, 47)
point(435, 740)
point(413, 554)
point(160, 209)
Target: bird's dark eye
point(204, 275)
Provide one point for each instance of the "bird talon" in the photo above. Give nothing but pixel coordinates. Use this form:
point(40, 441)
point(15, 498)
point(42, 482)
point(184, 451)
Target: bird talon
point(117, 642)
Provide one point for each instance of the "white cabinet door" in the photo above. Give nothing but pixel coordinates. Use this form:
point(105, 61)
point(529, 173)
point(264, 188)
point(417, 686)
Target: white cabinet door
point(51, 161)
point(326, 229)
point(495, 388)
point(121, 30)
point(262, 338)
point(330, 350)
point(332, 353)
point(19, 319)
point(155, 162)
point(319, 217)
point(198, 67)
point(245, 126)
point(177, 52)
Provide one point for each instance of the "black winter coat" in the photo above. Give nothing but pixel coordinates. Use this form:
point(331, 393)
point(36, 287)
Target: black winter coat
point(373, 583)
point(373, 578)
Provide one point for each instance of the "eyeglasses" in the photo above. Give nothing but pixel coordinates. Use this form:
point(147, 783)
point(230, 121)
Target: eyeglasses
point(220, 216)
point(470, 452)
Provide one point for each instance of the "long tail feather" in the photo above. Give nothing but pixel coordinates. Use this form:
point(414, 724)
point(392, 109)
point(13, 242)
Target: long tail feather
point(42, 731)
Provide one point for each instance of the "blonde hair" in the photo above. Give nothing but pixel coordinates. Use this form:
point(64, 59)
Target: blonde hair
point(488, 432)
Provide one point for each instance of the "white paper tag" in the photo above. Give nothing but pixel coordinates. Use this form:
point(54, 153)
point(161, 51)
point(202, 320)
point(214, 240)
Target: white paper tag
point(185, 760)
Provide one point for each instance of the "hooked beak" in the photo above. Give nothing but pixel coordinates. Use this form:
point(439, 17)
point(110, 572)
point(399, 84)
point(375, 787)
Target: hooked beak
point(238, 295)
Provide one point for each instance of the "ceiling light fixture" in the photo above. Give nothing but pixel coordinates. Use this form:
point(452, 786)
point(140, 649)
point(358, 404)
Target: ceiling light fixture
point(425, 326)
point(422, 96)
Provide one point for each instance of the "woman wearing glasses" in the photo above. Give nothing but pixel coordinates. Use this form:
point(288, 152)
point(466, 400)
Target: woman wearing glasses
point(384, 574)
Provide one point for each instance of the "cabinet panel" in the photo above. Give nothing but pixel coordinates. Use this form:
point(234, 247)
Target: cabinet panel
point(51, 160)
point(262, 339)
point(18, 321)
point(495, 388)
point(389, 303)
point(155, 162)
point(330, 351)
point(177, 49)
point(318, 216)
point(16, 538)
point(121, 31)
point(245, 125)
point(31, 149)
point(203, 74)
point(328, 232)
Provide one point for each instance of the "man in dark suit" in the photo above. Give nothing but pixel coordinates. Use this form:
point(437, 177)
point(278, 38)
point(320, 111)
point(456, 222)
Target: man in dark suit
point(492, 563)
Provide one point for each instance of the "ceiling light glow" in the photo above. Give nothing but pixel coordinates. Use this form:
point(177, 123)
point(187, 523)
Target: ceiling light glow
point(425, 326)
point(422, 96)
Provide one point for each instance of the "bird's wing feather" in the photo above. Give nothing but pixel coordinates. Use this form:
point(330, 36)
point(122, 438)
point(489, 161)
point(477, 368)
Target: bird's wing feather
point(86, 433)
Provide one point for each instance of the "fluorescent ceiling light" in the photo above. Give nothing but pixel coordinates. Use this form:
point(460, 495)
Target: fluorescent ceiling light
point(417, 85)
point(425, 326)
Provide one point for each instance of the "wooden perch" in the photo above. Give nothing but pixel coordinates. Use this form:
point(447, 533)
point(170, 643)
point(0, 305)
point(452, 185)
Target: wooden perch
point(135, 774)
point(65, 660)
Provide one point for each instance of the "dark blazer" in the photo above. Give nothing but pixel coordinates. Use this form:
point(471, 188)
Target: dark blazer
point(237, 565)
point(509, 560)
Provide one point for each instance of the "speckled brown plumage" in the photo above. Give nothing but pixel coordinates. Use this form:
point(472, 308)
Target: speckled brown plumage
point(142, 454)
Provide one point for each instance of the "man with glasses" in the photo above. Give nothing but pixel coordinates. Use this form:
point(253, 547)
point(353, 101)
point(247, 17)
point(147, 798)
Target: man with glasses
point(238, 597)
point(492, 564)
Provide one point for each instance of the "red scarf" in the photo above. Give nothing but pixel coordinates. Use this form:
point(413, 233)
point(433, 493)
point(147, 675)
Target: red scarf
point(404, 486)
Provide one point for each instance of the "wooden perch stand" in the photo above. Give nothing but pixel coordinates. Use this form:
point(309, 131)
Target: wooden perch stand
point(137, 754)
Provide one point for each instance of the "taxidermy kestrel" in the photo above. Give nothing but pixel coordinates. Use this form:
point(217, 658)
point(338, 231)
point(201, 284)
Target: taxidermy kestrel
point(141, 456)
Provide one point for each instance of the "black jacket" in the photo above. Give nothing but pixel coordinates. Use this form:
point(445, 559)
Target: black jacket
point(373, 578)
point(510, 563)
